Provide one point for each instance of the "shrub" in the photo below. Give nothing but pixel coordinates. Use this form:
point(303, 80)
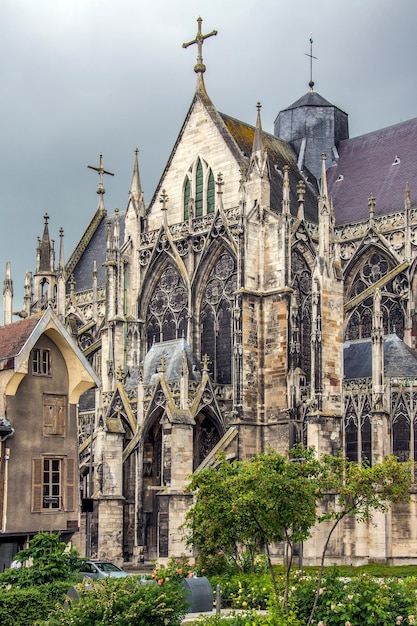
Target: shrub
point(20, 607)
point(122, 602)
point(359, 601)
point(249, 591)
point(50, 562)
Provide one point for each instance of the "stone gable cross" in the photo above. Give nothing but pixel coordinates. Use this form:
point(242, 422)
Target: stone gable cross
point(199, 68)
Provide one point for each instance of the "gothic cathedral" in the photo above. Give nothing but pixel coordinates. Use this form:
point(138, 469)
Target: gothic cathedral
point(264, 296)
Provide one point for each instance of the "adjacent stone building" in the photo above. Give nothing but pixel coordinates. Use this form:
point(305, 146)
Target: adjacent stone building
point(265, 295)
point(42, 375)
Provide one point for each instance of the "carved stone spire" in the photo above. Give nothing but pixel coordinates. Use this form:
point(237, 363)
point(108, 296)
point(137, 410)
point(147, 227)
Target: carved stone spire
point(7, 295)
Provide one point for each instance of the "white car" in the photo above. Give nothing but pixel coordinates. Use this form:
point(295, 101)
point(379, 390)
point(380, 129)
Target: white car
point(101, 569)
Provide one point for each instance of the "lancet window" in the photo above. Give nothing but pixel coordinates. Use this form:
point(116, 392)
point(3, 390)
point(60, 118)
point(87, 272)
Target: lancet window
point(166, 317)
point(403, 422)
point(301, 331)
point(216, 318)
point(199, 190)
point(373, 268)
point(358, 431)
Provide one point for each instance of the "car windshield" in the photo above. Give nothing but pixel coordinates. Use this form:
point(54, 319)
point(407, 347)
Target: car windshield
point(107, 567)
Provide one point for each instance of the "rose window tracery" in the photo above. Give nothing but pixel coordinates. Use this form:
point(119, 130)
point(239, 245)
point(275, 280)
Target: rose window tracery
point(373, 269)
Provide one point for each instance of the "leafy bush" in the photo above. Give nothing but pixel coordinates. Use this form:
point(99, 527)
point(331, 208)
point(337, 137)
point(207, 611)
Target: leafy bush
point(360, 600)
point(50, 561)
point(20, 607)
point(251, 618)
point(249, 591)
point(122, 602)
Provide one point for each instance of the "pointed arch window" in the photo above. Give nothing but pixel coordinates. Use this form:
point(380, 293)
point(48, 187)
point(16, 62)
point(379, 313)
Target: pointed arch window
point(187, 195)
point(166, 317)
point(210, 193)
point(372, 268)
point(216, 318)
point(358, 432)
point(301, 283)
point(199, 188)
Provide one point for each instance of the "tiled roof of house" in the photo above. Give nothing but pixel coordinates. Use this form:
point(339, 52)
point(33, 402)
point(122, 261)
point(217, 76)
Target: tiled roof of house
point(14, 336)
point(379, 163)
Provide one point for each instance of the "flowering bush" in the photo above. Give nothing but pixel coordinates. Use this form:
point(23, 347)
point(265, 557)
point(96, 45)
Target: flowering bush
point(249, 591)
point(357, 601)
point(176, 570)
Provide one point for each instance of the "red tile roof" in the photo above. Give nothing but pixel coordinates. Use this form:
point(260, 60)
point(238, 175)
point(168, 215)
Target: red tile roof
point(14, 336)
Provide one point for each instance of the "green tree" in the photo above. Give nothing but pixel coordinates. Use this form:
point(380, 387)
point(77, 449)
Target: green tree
point(361, 491)
point(267, 499)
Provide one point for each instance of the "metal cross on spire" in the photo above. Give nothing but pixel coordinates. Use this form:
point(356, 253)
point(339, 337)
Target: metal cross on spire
point(311, 83)
point(100, 169)
point(199, 68)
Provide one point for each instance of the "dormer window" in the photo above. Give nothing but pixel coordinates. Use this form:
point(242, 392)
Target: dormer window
point(199, 190)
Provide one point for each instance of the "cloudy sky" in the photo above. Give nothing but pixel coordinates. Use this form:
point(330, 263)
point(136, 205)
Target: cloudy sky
point(84, 77)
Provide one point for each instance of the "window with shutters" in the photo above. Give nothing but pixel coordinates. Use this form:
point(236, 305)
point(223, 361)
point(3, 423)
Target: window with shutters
point(199, 190)
point(54, 415)
point(53, 484)
point(41, 362)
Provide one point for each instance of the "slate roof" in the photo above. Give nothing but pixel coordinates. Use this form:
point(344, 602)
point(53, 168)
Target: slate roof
point(399, 359)
point(95, 251)
point(378, 163)
point(310, 99)
point(172, 352)
point(14, 336)
point(280, 153)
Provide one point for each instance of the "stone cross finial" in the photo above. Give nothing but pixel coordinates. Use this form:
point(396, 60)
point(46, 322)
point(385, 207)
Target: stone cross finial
point(164, 199)
point(199, 68)
point(205, 363)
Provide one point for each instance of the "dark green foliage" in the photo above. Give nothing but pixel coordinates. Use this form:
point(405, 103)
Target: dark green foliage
point(123, 602)
point(22, 607)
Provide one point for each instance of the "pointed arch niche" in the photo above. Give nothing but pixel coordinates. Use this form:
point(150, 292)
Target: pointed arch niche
point(199, 189)
point(371, 268)
point(216, 317)
point(167, 311)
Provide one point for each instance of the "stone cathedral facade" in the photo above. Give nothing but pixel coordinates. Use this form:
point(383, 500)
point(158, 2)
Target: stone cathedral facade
point(265, 295)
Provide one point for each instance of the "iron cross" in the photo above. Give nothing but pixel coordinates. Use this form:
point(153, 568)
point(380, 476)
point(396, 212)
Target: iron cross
point(199, 40)
point(311, 83)
point(100, 169)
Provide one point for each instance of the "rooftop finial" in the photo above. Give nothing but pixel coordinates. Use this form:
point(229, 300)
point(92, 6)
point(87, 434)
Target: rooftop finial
point(311, 83)
point(199, 68)
point(100, 169)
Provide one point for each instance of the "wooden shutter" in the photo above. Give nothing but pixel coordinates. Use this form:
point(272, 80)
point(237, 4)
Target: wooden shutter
point(70, 485)
point(54, 415)
point(37, 469)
